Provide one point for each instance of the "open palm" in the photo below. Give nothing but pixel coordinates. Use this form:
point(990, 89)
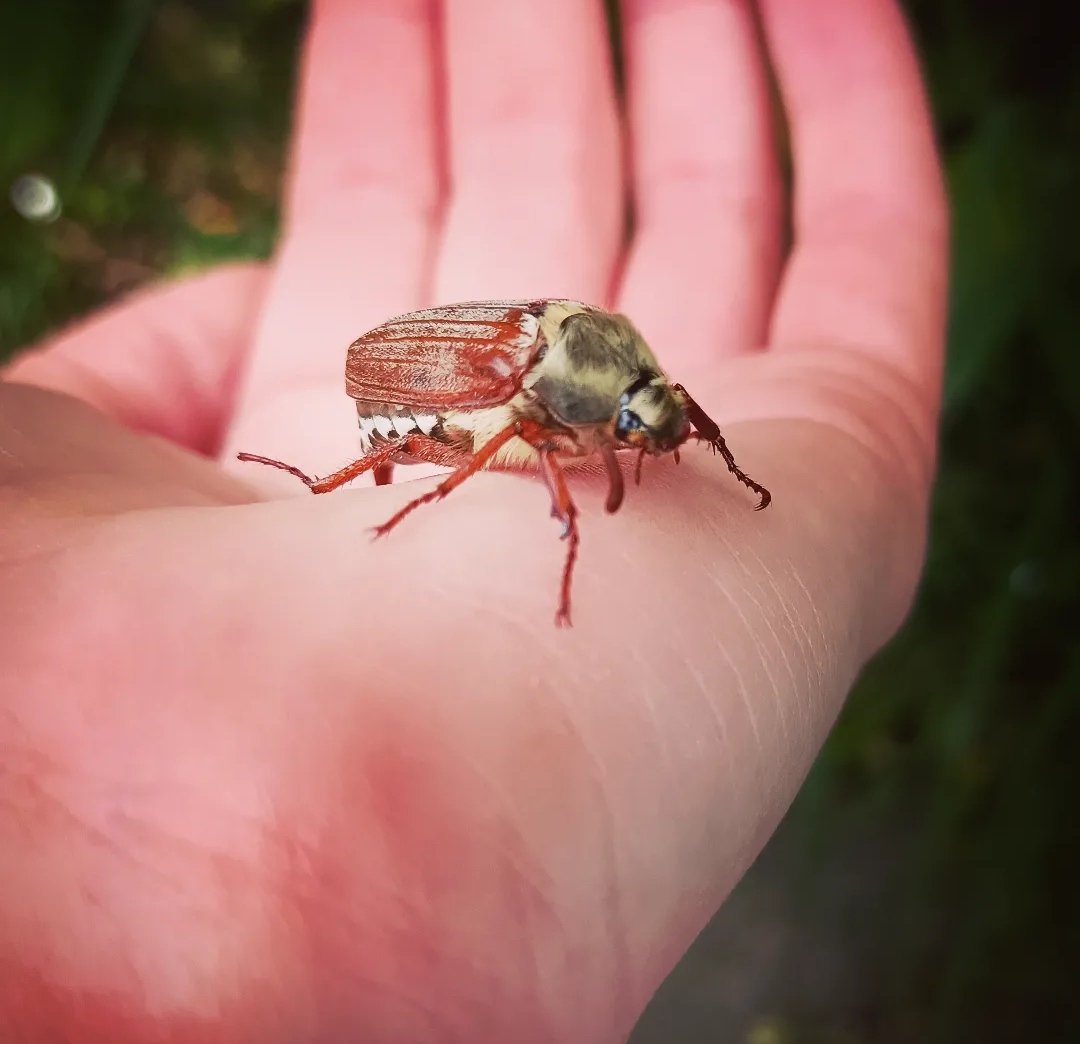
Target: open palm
point(267, 780)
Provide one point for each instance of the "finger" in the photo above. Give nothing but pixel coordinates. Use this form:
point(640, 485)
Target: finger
point(705, 257)
point(869, 264)
point(537, 207)
point(361, 207)
point(163, 361)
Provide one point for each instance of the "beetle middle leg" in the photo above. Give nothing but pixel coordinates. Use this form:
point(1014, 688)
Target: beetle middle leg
point(564, 509)
point(562, 505)
point(434, 452)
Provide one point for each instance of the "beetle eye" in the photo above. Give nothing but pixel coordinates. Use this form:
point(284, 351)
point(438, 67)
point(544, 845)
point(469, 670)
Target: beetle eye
point(628, 421)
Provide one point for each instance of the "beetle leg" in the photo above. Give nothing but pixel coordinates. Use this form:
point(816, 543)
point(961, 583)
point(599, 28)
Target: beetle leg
point(254, 458)
point(436, 453)
point(384, 473)
point(707, 430)
point(371, 461)
point(615, 479)
point(562, 504)
point(717, 443)
point(564, 509)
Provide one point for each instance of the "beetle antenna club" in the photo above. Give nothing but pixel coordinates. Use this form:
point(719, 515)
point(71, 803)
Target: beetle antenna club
point(499, 384)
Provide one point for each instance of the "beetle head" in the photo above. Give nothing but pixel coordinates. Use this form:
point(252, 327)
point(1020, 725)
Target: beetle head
point(652, 415)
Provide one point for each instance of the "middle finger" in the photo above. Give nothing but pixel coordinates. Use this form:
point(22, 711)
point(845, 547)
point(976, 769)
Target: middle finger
point(536, 203)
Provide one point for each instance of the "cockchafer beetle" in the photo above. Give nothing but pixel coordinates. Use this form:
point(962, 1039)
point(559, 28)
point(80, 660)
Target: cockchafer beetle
point(509, 384)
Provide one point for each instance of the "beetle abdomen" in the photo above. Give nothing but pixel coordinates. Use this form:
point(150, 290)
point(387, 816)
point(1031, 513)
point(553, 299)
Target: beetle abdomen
point(383, 422)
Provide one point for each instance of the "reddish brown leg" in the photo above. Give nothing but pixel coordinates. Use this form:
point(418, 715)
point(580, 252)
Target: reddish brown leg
point(380, 461)
point(562, 506)
point(615, 479)
point(373, 460)
point(451, 482)
point(425, 448)
point(707, 430)
point(564, 509)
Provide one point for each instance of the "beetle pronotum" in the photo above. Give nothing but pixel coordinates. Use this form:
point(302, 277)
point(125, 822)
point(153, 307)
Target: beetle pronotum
point(493, 384)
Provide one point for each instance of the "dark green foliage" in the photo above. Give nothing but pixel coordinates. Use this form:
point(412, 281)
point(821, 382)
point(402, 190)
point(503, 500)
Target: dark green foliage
point(966, 727)
point(163, 124)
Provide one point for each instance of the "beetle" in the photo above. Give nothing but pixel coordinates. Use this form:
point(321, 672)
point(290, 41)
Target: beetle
point(504, 384)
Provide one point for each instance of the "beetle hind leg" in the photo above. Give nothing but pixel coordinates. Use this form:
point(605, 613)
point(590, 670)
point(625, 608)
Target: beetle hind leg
point(254, 458)
point(373, 461)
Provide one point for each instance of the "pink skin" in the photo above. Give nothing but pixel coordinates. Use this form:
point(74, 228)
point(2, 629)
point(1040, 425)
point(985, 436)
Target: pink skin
point(266, 780)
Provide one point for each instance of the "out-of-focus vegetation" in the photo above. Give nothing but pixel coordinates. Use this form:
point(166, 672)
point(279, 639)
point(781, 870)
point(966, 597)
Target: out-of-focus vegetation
point(162, 123)
point(967, 726)
point(163, 126)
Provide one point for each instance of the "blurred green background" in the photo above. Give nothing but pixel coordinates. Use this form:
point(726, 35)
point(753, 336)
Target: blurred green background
point(924, 886)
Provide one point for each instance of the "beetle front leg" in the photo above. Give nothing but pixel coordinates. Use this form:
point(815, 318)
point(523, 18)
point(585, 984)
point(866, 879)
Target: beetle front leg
point(707, 430)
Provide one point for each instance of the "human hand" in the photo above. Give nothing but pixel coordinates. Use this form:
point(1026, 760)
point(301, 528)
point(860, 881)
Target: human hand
point(267, 781)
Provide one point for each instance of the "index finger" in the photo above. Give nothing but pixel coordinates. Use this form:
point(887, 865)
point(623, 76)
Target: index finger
point(360, 221)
